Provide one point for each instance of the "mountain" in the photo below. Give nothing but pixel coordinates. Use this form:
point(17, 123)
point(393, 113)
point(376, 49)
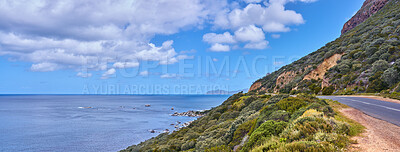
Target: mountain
point(369, 8)
point(363, 59)
point(224, 92)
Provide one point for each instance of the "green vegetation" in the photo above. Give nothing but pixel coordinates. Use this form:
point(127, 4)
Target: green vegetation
point(253, 122)
point(370, 61)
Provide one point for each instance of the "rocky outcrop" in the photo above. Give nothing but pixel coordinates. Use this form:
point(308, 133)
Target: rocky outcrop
point(320, 71)
point(255, 86)
point(369, 8)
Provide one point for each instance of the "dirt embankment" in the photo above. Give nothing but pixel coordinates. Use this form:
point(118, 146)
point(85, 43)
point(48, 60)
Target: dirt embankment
point(379, 135)
point(320, 71)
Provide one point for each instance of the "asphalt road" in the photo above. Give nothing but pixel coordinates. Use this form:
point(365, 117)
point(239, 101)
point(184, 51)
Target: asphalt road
point(383, 110)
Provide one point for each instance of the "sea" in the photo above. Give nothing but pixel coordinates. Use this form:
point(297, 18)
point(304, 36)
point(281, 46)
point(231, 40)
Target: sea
point(91, 123)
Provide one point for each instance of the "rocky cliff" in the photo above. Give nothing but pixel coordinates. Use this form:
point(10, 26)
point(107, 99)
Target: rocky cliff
point(369, 8)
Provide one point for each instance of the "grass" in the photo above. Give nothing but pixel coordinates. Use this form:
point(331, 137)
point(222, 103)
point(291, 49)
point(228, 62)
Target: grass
point(356, 128)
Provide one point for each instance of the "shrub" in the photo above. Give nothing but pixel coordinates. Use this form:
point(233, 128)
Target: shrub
point(266, 130)
point(328, 90)
point(221, 148)
point(344, 66)
point(189, 145)
point(371, 50)
point(377, 42)
point(377, 86)
point(290, 104)
point(241, 131)
point(391, 76)
point(279, 115)
point(307, 146)
point(380, 65)
point(315, 88)
point(384, 56)
point(387, 30)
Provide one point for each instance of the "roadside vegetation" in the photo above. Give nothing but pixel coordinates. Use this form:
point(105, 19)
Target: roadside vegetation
point(254, 122)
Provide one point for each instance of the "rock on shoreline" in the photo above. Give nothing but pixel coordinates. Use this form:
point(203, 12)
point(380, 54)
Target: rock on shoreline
point(190, 113)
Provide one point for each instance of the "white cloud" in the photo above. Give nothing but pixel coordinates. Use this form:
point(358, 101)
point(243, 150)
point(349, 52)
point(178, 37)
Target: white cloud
point(249, 33)
point(83, 74)
point(250, 23)
point(144, 73)
point(257, 45)
point(108, 73)
point(252, 1)
point(270, 17)
point(44, 67)
point(275, 27)
point(218, 38)
point(122, 65)
point(57, 34)
point(220, 47)
point(76, 34)
point(252, 36)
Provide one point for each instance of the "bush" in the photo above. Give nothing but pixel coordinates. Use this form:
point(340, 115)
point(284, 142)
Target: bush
point(307, 146)
point(266, 130)
point(291, 104)
point(189, 145)
point(242, 131)
point(377, 42)
point(218, 149)
point(380, 65)
point(377, 86)
point(328, 90)
point(391, 76)
point(387, 30)
point(279, 115)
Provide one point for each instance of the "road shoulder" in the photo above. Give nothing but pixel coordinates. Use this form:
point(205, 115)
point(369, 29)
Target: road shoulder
point(378, 135)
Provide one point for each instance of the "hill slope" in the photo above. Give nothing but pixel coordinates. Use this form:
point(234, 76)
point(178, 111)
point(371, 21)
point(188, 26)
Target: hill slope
point(365, 59)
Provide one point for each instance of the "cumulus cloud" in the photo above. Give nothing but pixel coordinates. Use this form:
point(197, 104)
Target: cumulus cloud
point(108, 73)
point(257, 45)
point(57, 34)
point(219, 38)
point(249, 33)
point(249, 23)
point(44, 67)
point(220, 47)
point(98, 35)
point(252, 1)
point(269, 17)
point(253, 36)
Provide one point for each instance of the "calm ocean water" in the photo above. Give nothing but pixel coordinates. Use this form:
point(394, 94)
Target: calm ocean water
point(59, 123)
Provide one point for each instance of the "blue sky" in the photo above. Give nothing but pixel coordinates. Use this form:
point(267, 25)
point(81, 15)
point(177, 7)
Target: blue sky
point(153, 47)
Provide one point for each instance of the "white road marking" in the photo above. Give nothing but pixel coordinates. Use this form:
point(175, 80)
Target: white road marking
point(394, 109)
